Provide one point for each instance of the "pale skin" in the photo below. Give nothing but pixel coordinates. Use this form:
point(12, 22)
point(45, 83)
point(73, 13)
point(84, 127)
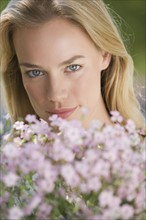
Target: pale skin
point(61, 70)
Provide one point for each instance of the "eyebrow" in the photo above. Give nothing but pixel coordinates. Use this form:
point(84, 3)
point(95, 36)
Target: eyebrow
point(72, 59)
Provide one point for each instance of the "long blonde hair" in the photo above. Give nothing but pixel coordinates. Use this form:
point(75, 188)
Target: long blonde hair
point(95, 19)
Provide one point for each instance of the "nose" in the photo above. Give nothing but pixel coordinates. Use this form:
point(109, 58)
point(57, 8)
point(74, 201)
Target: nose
point(57, 90)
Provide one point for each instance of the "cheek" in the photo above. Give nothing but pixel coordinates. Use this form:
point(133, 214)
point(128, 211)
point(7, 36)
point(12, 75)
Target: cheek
point(79, 87)
point(33, 92)
point(87, 86)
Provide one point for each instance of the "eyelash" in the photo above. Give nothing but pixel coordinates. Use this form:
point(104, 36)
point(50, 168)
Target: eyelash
point(34, 76)
point(73, 65)
point(31, 72)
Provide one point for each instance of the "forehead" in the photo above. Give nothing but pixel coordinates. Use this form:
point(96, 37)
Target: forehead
point(53, 38)
point(53, 29)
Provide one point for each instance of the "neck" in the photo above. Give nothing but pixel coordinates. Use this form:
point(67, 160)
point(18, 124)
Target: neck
point(99, 112)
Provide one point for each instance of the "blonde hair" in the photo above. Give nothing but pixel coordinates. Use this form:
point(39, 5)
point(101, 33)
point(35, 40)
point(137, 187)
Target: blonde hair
point(95, 19)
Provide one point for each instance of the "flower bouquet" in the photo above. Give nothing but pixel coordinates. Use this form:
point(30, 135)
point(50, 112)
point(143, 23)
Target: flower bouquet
point(61, 171)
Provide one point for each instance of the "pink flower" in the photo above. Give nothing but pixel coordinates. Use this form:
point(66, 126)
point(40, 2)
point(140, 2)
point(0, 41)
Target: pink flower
point(17, 141)
point(10, 179)
point(84, 187)
point(4, 198)
point(44, 211)
point(94, 184)
point(70, 175)
point(63, 161)
point(46, 186)
point(91, 155)
point(61, 152)
point(35, 201)
point(122, 192)
point(19, 125)
point(106, 198)
point(31, 118)
point(82, 168)
point(112, 213)
point(11, 151)
point(130, 126)
point(73, 136)
point(55, 120)
point(141, 198)
point(116, 117)
point(101, 168)
point(15, 213)
point(127, 212)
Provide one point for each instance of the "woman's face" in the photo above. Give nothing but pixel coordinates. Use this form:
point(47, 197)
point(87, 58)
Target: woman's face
point(61, 70)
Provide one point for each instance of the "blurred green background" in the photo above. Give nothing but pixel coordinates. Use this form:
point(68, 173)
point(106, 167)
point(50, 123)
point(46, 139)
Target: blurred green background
point(133, 28)
point(132, 23)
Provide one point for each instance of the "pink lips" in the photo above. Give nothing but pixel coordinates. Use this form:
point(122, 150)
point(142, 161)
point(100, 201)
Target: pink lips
point(63, 113)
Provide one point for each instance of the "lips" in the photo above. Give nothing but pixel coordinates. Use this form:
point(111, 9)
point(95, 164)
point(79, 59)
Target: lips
point(63, 112)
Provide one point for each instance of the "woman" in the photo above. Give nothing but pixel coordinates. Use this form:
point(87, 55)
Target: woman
point(61, 55)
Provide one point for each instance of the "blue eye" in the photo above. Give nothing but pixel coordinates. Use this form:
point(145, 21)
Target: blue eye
point(34, 73)
point(73, 68)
